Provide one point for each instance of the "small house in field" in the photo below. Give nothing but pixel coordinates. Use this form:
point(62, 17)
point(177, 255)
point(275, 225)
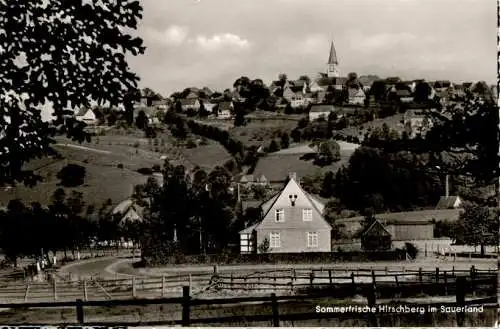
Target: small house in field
point(292, 222)
point(376, 237)
point(225, 110)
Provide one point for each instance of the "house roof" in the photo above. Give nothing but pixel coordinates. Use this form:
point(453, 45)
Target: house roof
point(322, 108)
point(188, 101)
point(249, 229)
point(125, 206)
point(447, 202)
point(225, 106)
point(353, 92)
point(377, 229)
point(82, 111)
point(331, 81)
point(420, 216)
point(403, 93)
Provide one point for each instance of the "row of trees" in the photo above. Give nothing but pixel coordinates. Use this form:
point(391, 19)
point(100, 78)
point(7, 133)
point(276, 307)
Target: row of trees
point(190, 213)
point(67, 224)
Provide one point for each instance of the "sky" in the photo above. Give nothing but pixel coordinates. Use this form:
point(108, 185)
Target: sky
point(196, 43)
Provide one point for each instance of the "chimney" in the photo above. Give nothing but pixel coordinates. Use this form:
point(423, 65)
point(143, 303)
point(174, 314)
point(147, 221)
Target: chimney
point(447, 186)
point(292, 175)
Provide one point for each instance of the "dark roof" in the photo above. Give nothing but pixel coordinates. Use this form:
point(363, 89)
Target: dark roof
point(421, 216)
point(225, 106)
point(332, 57)
point(325, 81)
point(376, 229)
point(250, 204)
point(188, 101)
point(82, 111)
point(322, 108)
point(447, 202)
point(403, 93)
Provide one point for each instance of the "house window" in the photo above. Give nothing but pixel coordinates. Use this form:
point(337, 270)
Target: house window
point(274, 240)
point(312, 239)
point(280, 215)
point(307, 215)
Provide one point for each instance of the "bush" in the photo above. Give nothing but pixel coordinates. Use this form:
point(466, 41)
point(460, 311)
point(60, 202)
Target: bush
point(411, 250)
point(191, 144)
point(145, 171)
point(119, 166)
point(72, 175)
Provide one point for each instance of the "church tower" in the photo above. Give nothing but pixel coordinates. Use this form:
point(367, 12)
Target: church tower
point(332, 70)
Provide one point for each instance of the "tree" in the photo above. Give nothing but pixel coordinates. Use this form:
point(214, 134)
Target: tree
point(328, 152)
point(422, 92)
point(477, 226)
point(66, 53)
point(273, 146)
point(72, 175)
point(282, 78)
point(141, 122)
point(378, 90)
point(285, 140)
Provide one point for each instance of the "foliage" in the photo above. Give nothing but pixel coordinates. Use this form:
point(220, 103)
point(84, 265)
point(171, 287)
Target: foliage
point(72, 175)
point(477, 226)
point(285, 140)
point(411, 250)
point(66, 53)
point(141, 121)
point(328, 152)
point(264, 246)
point(273, 146)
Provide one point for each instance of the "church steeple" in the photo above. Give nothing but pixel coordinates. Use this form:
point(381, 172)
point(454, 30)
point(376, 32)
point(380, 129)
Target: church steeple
point(333, 62)
point(332, 59)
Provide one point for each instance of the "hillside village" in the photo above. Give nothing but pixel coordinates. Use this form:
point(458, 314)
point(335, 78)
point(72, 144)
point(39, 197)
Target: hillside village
point(287, 145)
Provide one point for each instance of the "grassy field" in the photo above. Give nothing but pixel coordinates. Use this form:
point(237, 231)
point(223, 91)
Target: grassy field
point(262, 129)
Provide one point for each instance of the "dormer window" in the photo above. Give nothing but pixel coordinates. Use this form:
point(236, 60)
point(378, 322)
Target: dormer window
point(279, 215)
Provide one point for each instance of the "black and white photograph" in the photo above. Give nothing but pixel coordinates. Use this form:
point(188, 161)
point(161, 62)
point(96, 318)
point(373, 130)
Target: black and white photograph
point(249, 163)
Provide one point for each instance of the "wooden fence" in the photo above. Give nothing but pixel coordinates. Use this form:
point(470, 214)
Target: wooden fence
point(349, 281)
point(275, 317)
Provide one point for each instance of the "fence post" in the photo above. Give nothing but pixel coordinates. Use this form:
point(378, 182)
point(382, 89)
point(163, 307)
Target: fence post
point(353, 284)
point(133, 288)
point(79, 311)
point(215, 270)
point(373, 277)
point(26, 293)
point(420, 279)
point(231, 280)
point(372, 301)
point(311, 278)
point(437, 274)
point(386, 270)
point(85, 290)
point(460, 295)
point(186, 299)
point(397, 285)
point(276, 314)
point(453, 271)
point(54, 288)
point(473, 277)
point(163, 286)
point(445, 283)
point(330, 277)
point(190, 282)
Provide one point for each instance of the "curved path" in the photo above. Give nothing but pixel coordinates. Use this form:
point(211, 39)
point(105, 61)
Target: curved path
point(124, 267)
point(113, 267)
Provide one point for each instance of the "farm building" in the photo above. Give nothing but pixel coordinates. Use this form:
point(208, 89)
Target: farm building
point(376, 237)
point(449, 202)
point(292, 221)
point(128, 211)
point(320, 111)
point(409, 225)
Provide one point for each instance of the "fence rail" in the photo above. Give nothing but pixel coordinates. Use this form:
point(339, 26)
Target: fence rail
point(289, 280)
point(187, 302)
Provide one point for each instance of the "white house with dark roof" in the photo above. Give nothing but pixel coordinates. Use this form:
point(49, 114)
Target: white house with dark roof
point(128, 211)
point(190, 104)
point(292, 221)
point(224, 110)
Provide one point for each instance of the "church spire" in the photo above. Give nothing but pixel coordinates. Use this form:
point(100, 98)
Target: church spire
point(332, 59)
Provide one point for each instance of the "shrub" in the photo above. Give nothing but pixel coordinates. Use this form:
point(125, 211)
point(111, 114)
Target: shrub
point(191, 144)
point(119, 166)
point(136, 144)
point(145, 171)
point(411, 250)
point(156, 168)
